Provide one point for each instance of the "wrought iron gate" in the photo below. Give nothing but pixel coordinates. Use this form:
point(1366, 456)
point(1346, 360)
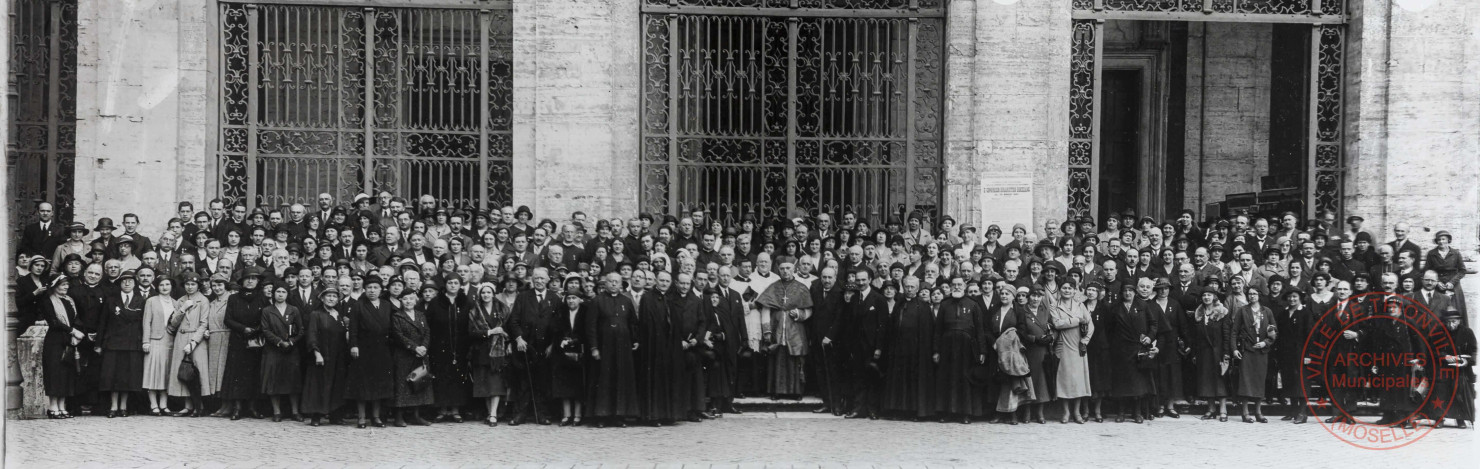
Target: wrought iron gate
point(1326, 167)
point(345, 100)
point(770, 107)
point(43, 107)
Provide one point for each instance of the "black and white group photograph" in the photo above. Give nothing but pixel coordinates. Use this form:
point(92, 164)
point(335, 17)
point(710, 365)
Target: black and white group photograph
point(749, 234)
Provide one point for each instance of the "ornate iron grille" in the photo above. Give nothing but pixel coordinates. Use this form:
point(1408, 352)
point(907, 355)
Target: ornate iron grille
point(766, 112)
point(43, 107)
point(348, 99)
point(1325, 158)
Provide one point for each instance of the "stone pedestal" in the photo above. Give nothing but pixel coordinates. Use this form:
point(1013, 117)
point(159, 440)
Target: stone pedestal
point(33, 388)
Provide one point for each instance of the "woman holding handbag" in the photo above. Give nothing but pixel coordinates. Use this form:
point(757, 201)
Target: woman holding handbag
point(158, 344)
point(409, 337)
point(490, 346)
point(60, 363)
point(188, 325)
point(1253, 335)
point(568, 375)
point(1208, 335)
point(240, 381)
point(282, 371)
point(323, 383)
point(1037, 333)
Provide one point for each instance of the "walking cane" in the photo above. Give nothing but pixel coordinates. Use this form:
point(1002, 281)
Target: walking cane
point(832, 403)
point(529, 383)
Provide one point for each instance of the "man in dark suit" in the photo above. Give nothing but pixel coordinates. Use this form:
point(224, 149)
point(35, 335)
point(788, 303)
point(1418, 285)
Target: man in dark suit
point(530, 325)
point(826, 298)
point(304, 295)
point(1430, 295)
point(860, 331)
point(1185, 289)
point(1401, 243)
point(42, 236)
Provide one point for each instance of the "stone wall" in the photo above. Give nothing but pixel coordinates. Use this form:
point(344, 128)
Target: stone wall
point(1228, 141)
point(145, 100)
point(1018, 92)
point(1413, 117)
point(576, 91)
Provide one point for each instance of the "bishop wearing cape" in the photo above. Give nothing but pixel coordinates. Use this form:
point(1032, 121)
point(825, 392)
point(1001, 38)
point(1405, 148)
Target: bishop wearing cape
point(786, 303)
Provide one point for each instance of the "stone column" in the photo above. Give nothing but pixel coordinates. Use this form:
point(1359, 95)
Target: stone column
point(1019, 103)
point(576, 79)
point(33, 387)
point(143, 97)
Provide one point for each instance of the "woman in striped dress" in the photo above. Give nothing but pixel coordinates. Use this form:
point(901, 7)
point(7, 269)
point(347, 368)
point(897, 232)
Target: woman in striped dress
point(218, 336)
point(158, 344)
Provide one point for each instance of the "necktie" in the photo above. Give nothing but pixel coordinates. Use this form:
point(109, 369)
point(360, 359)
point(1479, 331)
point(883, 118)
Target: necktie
point(44, 226)
point(127, 298)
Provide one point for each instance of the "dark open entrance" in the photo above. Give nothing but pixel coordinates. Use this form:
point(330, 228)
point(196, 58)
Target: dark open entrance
point(1120, 152)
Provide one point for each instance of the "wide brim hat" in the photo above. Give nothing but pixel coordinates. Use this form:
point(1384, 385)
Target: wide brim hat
point(78, 226)
point(105, 224)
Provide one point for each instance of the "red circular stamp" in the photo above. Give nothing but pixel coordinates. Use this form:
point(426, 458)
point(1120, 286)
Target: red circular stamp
point(1380, 348)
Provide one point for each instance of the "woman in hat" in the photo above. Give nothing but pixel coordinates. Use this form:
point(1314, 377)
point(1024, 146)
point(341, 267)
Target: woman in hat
point(126, 258)
point(1131, 332)
point(409, 342)
point(1101, 371)
point(1446, 261)
point(1073, 329)
point(240, 382)
point(188, 324)
point(1252, 334)
point(158, 343)
point(447, 320)
point(370, 375)
point(282, 370)
point(61, 365)
point(324, 380)
point(1208, 336)
point(489, 349)
point(1037, 333)
point(218, 335)
point(120, 335)
point(74, 244)
point(30, 290)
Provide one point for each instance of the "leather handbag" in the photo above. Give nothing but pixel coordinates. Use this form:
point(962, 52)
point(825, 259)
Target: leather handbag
point(420, 377)
point(188, 373)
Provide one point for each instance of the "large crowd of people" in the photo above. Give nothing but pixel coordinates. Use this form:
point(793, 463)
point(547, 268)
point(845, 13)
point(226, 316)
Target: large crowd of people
point(388, 311)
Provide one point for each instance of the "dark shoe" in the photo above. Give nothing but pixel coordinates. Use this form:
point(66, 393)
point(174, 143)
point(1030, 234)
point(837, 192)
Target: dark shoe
point(622, 423)
point(1260, 419)
point(1460, 424)
point(236, 416)
point(544, 421)
point(822, 410)
point(1039, 419)
point(1173, 414)
point(297, 417)
point(491, 422)
point(1299, 419)
point(360, 424)
point(1209, 416)
point(377, 422)
point(599, 424)
point(1120, 418)
point(1222, 418)
point(1246, 419)
point(1136, 418)
point(966, 420)
point(112, 414)
point(1064, 419)
point(852, 415)
point(417, 420)
point(1099, 419)
point(399, 423)
point(872, 415)
point(314, 422)
point(516, 421)
point(457, 419)
point(1287, 417)
point(277, 418)
point(565, 422)
point(1332, 419)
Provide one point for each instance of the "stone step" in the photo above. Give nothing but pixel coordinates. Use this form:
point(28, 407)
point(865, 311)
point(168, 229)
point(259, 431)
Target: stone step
point(806, 404)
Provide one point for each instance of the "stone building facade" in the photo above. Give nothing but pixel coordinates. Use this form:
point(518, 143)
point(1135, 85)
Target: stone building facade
point(150, 78)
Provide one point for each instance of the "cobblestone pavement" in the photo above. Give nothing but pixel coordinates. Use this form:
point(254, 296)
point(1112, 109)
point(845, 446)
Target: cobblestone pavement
point(747, 441)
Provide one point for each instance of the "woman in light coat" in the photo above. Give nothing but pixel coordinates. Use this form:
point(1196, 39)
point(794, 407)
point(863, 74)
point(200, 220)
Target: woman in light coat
point(218, 336)
point(158, 344)
point(189, 326)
